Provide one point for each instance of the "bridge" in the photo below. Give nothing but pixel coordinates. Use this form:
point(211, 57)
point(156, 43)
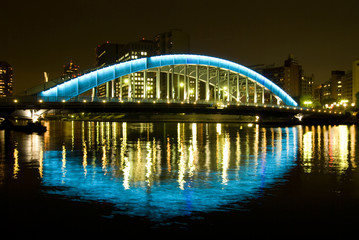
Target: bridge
point(180, 83)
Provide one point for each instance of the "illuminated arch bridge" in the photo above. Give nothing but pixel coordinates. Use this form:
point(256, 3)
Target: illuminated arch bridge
point(176, 78)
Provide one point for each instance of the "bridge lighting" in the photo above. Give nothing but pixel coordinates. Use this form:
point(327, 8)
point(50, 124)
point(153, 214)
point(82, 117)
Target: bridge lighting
point(299, 116)
point(84, 100)
point(104, 101)
point(63, 100)
point(15, 101)
point(40, 101)
point(257, 118)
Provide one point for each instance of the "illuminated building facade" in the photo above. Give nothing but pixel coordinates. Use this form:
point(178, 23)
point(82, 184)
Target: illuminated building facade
point(141, 84)
point(109, 53)
point(336, 85)
point(6, 79)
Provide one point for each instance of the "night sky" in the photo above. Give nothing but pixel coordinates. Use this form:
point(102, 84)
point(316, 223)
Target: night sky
point(38, 36)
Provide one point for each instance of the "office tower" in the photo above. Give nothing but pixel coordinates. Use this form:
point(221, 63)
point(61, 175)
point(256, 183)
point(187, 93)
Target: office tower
point(131, 86)
point(355, 79)
point(289, 77)
point(336, 85)
point(6, 79)
point(71, 69)
point(172, 42)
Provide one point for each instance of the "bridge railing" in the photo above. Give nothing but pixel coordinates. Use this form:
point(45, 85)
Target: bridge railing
point(88, 99)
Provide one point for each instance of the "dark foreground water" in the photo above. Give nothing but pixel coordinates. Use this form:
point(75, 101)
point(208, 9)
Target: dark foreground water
point(86, 179)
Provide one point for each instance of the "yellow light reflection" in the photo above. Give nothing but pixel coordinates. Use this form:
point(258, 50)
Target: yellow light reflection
point(219, 128)
point(352, 132)
point(181, 164)
point(41, 160)
point(225, 159)
point(84, 158)
point(148, 163)
point(16, 163)
point(343, 147)
point(307, 151)
point(168, 150)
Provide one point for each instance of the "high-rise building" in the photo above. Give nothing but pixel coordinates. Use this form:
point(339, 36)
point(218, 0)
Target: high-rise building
point(138, 85)
point(107, 53)
point(110, 53)
point(289, 77)
point(347, 87)
point(71, 69)
point(355, 79)
point(307, 86)
point(336, 85)
point(6, 79)
point(322, 93)
point(172, 42)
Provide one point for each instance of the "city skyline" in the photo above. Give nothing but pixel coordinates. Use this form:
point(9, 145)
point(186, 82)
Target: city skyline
point(41, 38)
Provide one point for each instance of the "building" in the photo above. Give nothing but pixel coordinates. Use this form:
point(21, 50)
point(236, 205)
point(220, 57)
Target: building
point(307, 87)
point(71, 69)
point(138, 85)
point(347, 87)
point(107, 53)
point(290, 78)
point(336, 85)
point(110, 53)
point(6, 79)
point(355, 79)
point(322, 93)
point(172, 42)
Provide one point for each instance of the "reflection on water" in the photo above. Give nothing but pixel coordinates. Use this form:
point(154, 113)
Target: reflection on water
point(162, 170)
point(329, 148)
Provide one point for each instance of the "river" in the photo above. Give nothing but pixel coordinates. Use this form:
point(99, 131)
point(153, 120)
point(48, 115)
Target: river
point(109, 178)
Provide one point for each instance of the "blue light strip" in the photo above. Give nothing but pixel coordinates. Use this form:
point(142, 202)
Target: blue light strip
point(81, 84)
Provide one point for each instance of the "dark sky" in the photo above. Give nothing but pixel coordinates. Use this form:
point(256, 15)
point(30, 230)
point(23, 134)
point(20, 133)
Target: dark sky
point(43, 35)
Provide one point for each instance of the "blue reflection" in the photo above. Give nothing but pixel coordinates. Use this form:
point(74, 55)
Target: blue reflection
point(163, 179)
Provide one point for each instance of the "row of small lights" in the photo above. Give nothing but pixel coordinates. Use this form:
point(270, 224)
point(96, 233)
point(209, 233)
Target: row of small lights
point(168, 102)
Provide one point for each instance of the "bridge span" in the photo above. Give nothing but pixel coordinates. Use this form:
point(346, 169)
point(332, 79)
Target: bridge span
point(176, 85)
point(145, 109)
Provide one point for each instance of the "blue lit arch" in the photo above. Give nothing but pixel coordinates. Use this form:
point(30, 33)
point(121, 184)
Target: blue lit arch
point(81, 84)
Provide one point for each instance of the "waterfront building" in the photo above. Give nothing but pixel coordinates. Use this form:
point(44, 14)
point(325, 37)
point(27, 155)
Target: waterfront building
point(336, 85)
point(347, 87)
point(6, 79)
point(355, 79)
point(141, 84)
point(322, 93)
point(172, 42)
point(110, 53)
point(290, 77)
point(71, 69)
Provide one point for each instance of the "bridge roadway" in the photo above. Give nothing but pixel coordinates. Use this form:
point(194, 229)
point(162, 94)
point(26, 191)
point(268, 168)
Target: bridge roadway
point(265, 113)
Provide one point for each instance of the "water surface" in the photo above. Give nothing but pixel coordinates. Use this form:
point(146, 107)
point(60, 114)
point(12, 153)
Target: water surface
point(192, 175)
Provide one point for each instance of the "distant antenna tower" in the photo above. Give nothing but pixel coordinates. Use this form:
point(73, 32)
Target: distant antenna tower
point(46, 76)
